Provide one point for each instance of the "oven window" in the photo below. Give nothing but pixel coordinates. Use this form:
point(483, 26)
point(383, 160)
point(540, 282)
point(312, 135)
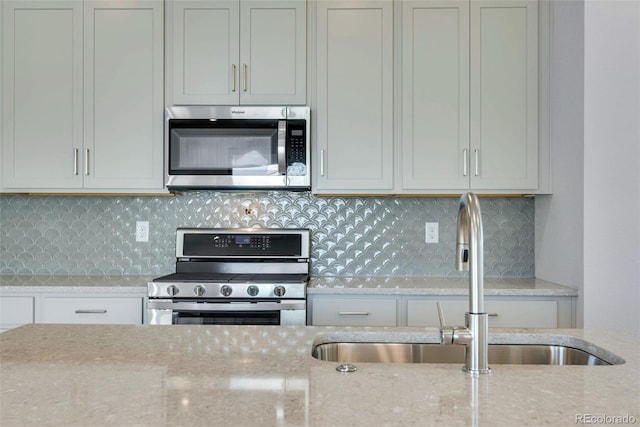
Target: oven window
point(224, 151)
point(226, 318)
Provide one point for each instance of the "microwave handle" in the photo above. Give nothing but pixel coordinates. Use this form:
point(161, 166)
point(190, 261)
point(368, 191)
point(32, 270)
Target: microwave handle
point(282, 152)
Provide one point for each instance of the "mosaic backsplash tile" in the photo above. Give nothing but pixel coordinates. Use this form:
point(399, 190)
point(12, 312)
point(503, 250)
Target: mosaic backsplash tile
point(355, 236)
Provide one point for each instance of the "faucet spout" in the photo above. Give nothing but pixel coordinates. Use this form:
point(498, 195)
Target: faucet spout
point(469, 257)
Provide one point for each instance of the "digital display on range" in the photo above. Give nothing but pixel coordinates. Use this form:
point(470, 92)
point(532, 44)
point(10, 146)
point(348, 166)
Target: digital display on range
point(243, 240)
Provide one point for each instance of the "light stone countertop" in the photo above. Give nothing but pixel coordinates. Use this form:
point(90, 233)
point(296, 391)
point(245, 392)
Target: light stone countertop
point(317, 285)
point(434, 286)
point(191, 375)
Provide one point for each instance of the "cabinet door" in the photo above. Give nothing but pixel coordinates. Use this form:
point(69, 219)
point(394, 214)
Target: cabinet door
point(205, 52)
point(123, 65)
point(16, 311)
point(502, 313)
point(92, 310)
point(273, 57)
point(354, 115)
point(504, 94)
point(353, 312)
point(435, 94)
point(42, 94)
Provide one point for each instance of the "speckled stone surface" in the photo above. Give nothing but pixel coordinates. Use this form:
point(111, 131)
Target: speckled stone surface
point(265, 376)
point(88, 284)
point(434, 286)
point(317, 285)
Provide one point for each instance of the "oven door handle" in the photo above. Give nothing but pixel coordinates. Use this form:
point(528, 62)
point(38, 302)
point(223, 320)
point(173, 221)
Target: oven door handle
point(227, 306)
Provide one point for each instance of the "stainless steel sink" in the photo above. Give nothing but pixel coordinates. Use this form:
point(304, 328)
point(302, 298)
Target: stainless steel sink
point(510, 354)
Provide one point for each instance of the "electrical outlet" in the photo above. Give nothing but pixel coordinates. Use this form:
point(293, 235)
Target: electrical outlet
point(431, 232)
point(142, 231)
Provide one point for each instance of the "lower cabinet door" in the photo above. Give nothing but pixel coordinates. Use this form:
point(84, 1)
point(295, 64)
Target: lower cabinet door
point(354, 312)
point(102, 310)
point(502, 313)
point(16, 311)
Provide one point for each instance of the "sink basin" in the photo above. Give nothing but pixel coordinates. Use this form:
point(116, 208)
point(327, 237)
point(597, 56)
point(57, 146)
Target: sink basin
point(510, 354)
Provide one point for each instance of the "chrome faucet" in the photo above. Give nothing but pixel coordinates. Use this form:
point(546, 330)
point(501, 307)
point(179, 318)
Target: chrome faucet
point(469, 257)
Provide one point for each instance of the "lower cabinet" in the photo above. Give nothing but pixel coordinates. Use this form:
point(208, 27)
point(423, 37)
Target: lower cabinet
point(418, 311)
point(23, 307)
point(95, 310)
point(16, 311)
point(350, 311)
point(502, 313)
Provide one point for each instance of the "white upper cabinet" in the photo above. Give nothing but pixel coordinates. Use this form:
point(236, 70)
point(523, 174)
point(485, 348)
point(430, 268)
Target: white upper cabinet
point(435, 95)
point(354, 86)
point(230, 52)
point(470, 95)
point(82, 95)
point(123, 102)
point(41, 94)
point(504, 95)
point(465, 113)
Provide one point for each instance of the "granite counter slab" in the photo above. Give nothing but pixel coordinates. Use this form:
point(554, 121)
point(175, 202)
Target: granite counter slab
point(87, 284)
point(435, 286)
point(260, 375)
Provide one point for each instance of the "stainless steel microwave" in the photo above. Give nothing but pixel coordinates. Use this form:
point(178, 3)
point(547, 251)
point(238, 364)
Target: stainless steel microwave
point(237, 148)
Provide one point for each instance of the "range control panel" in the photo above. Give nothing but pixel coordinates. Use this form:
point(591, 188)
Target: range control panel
point(213, 243)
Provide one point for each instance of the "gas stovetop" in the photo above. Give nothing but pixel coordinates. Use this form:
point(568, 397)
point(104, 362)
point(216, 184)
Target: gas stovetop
point(237, 263)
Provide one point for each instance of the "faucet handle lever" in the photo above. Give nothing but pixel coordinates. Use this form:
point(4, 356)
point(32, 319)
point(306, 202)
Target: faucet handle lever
point(443, 322)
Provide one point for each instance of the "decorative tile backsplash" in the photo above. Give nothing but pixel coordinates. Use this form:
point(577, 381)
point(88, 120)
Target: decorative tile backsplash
point(353, 236)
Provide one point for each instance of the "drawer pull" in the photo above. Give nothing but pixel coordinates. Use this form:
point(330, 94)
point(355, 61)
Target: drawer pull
point(91, 311)
point(353, 313)
point(492, 314)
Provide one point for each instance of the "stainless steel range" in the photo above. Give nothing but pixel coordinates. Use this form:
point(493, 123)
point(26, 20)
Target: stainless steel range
point(238, 276)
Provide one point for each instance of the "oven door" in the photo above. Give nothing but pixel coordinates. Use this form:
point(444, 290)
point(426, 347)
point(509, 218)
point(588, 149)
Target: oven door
point(169, 312)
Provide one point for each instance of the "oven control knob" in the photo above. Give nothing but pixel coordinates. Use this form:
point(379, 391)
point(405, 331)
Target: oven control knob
point(225, 290)
point(252, 290)
point(279, 291)
point(199, 291)
point(172, 290)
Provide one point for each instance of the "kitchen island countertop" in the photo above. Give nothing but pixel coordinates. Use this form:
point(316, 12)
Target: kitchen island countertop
point(265, 376)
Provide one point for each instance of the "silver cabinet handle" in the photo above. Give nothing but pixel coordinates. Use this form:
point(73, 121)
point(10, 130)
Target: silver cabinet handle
point(233, 77)
point(353, 313)
point(322, 162)
point(477, 163)
point(86, 162)
point(244, 77)
point(464, 162)
point(91, 311)
point(492, 314)
point(76, 155)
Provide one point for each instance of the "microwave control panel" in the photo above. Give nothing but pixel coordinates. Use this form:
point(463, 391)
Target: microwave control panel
point(296, 145)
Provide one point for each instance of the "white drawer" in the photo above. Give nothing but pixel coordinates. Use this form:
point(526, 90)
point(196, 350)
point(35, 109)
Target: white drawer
point(103, 310)
point(502, 313)
point(16, 311)
point(353, 312)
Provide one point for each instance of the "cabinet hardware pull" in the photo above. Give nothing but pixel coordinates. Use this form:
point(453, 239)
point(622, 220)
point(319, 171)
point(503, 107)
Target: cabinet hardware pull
point(464, 162)
point(233, 77)
point(477, 163)
point(353, 313)
point(86, 162)
point(76, 156)
point(322, 162)
point(244, 76)
point(91, 311)
point(492, 314)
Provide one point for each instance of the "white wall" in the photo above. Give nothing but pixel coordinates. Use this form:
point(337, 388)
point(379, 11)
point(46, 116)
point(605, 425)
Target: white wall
point(559, 219)
point(612, 164)
point(588, 231)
